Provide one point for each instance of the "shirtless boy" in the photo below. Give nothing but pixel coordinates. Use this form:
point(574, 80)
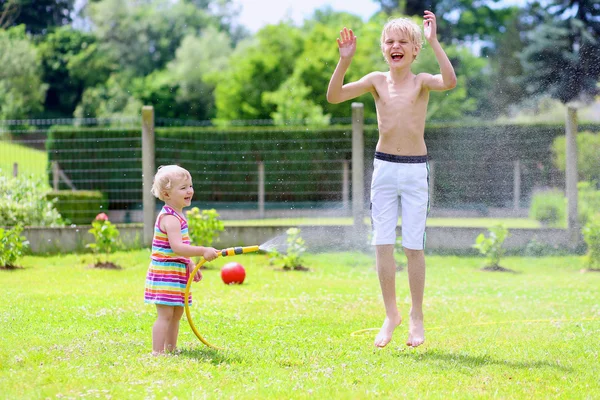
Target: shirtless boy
point(401, 171)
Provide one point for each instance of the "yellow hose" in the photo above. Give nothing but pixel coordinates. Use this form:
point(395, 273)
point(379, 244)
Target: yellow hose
point(230, 251)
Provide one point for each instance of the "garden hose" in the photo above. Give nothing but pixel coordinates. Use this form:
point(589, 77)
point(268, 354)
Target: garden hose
point(230, 251)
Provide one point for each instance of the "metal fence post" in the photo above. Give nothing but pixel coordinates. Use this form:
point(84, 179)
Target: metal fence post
point(148, 169)
point(345, 186)
point(358, 170)
point(261, 189)
point(571, 176)
point(517, 185)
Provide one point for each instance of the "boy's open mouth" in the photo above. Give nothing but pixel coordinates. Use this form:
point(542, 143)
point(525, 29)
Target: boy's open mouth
point(397, 56)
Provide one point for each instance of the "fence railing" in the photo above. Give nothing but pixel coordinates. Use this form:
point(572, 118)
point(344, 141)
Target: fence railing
point(244, 176)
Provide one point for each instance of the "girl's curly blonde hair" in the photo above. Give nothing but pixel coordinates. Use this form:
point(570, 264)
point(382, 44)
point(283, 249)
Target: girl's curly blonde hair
point(165, 175)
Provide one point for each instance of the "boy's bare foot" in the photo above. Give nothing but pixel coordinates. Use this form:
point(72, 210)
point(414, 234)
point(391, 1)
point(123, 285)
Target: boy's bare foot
point(416, 331)
point(387, 329)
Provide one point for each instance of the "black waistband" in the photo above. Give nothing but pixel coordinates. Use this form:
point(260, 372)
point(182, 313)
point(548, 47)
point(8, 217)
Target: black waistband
point(401, 159)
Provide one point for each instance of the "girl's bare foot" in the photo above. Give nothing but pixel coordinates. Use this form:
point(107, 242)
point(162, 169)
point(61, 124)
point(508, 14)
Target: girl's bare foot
point(387, 329)
point(416, 331)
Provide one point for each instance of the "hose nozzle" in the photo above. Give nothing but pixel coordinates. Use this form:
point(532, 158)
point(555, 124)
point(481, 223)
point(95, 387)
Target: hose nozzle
point(230, 251)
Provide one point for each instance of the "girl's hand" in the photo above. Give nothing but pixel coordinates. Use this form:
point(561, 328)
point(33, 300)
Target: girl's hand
point(429, 26)
point(346, 43)
point(210, 253)
point(198, 274)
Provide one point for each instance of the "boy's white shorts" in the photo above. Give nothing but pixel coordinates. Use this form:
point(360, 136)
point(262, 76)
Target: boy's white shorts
point(400, 181)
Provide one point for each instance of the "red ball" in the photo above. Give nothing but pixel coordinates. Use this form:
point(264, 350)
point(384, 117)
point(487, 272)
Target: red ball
point(233, 273)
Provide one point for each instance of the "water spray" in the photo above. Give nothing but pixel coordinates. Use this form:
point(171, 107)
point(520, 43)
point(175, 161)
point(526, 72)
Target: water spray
point(230, 251)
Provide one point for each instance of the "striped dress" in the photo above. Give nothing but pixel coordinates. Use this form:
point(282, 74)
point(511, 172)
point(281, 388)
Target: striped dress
point(167, 274)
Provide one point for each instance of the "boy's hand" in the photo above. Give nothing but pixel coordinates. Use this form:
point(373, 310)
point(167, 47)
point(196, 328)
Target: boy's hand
point(429, 26)
point(198, 275)
point(346, 43)
point(210, 253)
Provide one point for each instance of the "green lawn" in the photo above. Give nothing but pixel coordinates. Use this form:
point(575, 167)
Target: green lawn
point(69, 331)
point(31, 161)
point(511, 223)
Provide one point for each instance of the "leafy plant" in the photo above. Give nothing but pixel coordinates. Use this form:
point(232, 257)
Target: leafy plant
point(491, 246)
point(591, 235)
point(292, 258)
point(549, 207)
point(23, 202)
point(11, 246)
point(204, 227)
point(106, 235)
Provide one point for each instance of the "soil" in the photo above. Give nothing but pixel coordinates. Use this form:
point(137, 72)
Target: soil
point(105, 265)
point(10, 267)
point(498, 268)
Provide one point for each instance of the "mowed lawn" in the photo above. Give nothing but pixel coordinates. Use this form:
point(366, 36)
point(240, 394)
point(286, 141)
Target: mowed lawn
point(30, 161)
point(69, 331)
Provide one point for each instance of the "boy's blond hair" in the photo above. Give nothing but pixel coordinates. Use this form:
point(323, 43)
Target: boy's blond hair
point(406, 26)
point(165, 175)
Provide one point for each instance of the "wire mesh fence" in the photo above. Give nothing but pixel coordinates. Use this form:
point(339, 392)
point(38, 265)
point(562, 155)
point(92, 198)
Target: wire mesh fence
point(260, 170)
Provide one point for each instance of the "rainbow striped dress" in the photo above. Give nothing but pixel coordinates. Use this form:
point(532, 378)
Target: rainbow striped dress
point(167, 274)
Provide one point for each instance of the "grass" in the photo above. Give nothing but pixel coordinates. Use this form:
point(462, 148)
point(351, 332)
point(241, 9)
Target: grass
point(511, 223)
point(69, 331)
point(31, 161)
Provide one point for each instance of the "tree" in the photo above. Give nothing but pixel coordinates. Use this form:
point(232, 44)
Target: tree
point(70, 62)
point(38, 16)
point(562, 59)
point(258, 65)
point(22, 92)
point(458, 20)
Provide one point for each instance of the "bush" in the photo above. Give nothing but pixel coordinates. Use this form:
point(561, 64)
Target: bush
point(549, 207)
point(78, 206)
point(23, 202)
point(591, 235)
point(589, 201)
point(204, 227)
point(292, 258)
point(588, 155)
point(491, 247)
point(106, 236)
point(11, 246)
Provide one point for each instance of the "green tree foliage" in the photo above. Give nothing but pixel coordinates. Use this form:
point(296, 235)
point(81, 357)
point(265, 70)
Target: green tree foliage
point(22, 92)
point(71, 62)
point(294, 105)
point(562, 52)
point(462, 20)
point(143, 36)
point(257, 66)
point(184, 89)
point(111, 99)
point(38, 16)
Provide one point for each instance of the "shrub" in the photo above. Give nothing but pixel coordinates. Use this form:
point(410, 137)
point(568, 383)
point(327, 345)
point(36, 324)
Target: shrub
point(78, 206)
point(11, 246)
point(549, 207)
point(588, 155)
point(292, 258)
point(23, 202)
point(106, 236)
point(204, 227)
point(589, 201)
point(591, 235)
point(491, 247)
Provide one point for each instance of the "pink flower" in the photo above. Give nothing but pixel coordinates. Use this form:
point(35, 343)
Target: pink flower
point(102, 217)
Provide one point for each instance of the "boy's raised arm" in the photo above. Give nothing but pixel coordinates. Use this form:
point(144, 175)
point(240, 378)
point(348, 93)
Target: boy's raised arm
point(447, 79)
point(337, 92)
